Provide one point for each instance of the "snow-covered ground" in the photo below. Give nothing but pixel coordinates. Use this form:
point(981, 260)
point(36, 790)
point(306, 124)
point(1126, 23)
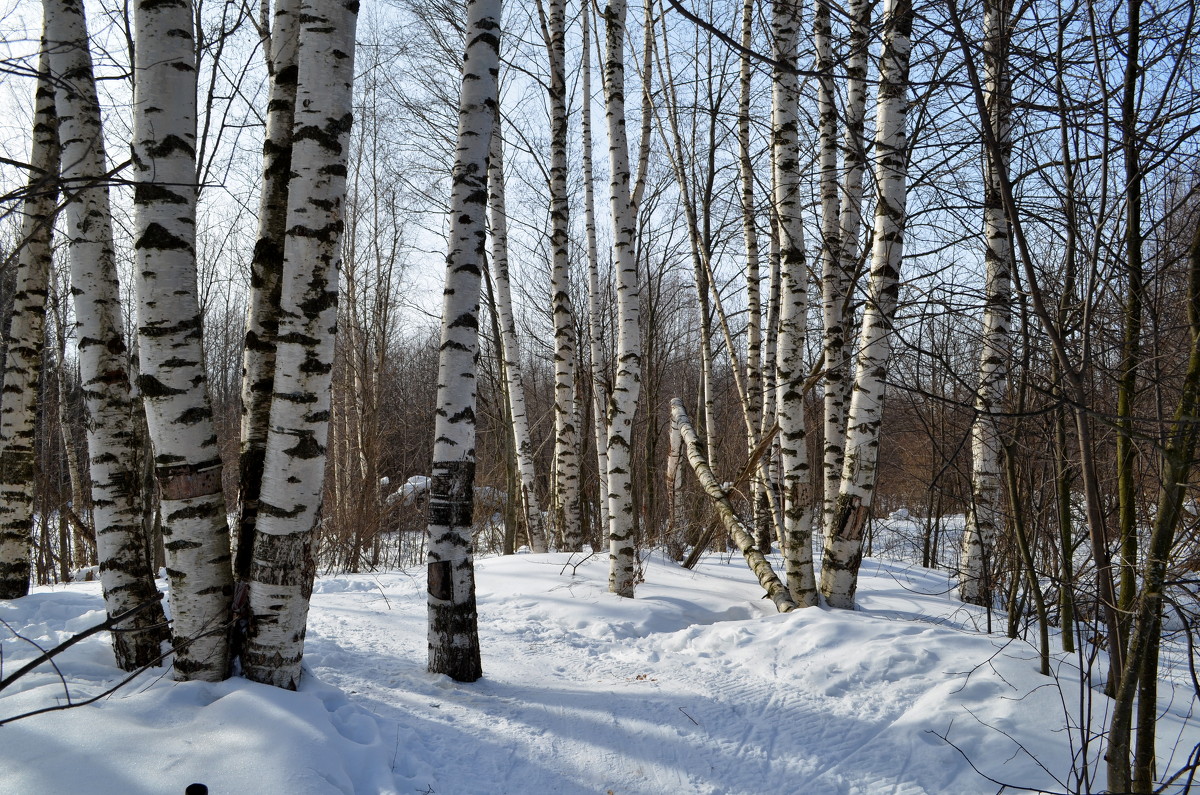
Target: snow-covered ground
point(696, 686)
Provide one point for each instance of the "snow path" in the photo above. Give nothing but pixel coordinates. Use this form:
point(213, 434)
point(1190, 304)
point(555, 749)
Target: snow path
point(696, 686)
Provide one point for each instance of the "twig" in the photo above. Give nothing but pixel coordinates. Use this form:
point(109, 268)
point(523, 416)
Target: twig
point(71, 641)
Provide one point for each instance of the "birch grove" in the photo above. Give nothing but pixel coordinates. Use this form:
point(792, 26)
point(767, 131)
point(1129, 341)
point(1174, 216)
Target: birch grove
point(1024, 296)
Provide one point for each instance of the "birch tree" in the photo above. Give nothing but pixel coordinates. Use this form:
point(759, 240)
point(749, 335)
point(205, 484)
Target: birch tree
point(511, 352)
point(282, 564)
point(26, 342)
point(839, 254)
point(172, 379)
point(595, 321)
point(453, 621)
point(566, 433)
point(99, 328)
point(266, 272)
point(627, 381)
point(985, 516)
point(843, 548)
point(799, 511)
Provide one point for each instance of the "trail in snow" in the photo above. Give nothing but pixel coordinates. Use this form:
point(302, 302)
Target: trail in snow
point(696, 686)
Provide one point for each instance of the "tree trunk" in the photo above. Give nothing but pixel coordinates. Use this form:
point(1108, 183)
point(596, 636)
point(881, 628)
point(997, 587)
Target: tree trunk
point(1140, 663)
point(843, 549)
point(776, 590)
point(172, 379)
point(99, 328)
point(282, 565)
point(985, 515)
point(839, 265)
point(799, 503)
point(266, 276)
point(595, 320)
point(627, 383)
point(26, 343)
point(453, 622)
point(530, 508)
point(566, 433)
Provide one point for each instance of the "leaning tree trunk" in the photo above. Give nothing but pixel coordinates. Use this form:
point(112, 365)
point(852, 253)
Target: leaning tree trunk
point(266, 278)
point(595, 322)
point(282, 564)
point(566, 433)
point(843, 548)
point(627, 383)
point(26, 342)
point(776, 590)
point(839, 265)
point(453, 622)
point(125, 572)
point(174, 387)
point(512, 356)
point(985, 517)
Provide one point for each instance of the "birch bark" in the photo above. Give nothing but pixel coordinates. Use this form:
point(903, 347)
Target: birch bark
point(839, 265)
point(512, 355)
point(754, 364)
point(799, 502)
point(282, 565)
point(99, 327)
point(984, 519)
point(627, 383)
point(266, 272)
point(172, 379)
point(776, 590)
point(595, 318)
point(453, 622)
point(843, 548)
point(26, 342)
point(566, 432)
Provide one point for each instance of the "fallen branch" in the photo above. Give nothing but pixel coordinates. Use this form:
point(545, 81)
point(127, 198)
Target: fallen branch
point(776, 590)
point(49, 654)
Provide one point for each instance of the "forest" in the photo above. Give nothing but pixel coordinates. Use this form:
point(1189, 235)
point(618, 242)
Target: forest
point(303, 291)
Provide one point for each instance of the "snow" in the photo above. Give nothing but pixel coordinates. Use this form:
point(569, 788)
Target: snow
point(695, 686)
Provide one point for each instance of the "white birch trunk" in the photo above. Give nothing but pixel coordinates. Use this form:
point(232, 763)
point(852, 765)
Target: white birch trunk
point(799, 504)
point(453, 622)
point(595, 321)
point(840, 256)
point(770, 461)
point(985, 517)
point(777, 592)
point(266, 272)
point(512, 355)
point(843, 549)
point(172, 379)
point(566, 432)
point(26, 343)
point(99, 328)
point(761, 495)
point(627, 383)
point(282, 565)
